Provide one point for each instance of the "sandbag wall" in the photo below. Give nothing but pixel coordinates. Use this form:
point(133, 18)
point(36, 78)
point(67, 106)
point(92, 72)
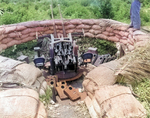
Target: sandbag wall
point(95, 28)
point(108, 100)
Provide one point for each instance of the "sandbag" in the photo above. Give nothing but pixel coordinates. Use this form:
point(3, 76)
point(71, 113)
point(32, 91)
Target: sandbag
point(32, 34)
point(96, 21)
point(69, 26)
point(118, 36)
point(96, 106)
point(19, 28)
point(80, 26)
point(18, 103)
point(46, 23)
point(59, 31)
point(90, 95)
point(141, 43)
point(90, 107)
point(104, 73)
point(24, 36)
point(29, 73)
point(91, 87)
point(76, 22)
point(85, 82)
point(101, 36)
point(123, 28)
point(105, 33)
point(123, 33)
point(41, 111)
point(70, 31)
point(109, 29)
point(141, 37)
point(92, 31)
point(118, 102)
point(116, 31)
point(9, 29)
point(23, 73)
point(97, 32)
point(37, 85)
point(123, 41)
point(111, 34)
point(3, 46)
point(130, 47)
point(48, 32)
point(12, 34)
point(78, 30)
point(86, 27)
point(26, 31)
point(38, 29)
point(58, 22)
point(31, 24)
point(2, 36)
point(13, 42)
point(96, 27)
point(89, 35)
point(88, 21)
point(2, 30)
point(59, 27)
point(6, 40)
point(27, 39)
point(113, 38)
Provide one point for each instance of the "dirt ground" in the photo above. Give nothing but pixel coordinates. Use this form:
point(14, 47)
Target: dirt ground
point(67, 108)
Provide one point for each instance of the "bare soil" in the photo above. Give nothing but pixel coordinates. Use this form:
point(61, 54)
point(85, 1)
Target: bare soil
point(67, 108)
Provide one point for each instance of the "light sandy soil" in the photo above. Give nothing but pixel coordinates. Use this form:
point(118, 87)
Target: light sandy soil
point(67, 108)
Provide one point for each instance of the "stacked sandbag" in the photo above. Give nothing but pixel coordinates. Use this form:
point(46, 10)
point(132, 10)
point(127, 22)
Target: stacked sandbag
point(101, 75)
point(26, 75)
point(95, 28)
point(21, 103)
point(114, 101)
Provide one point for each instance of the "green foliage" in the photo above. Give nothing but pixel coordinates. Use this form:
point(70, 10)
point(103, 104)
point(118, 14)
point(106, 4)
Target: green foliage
point(121, 10)
point(104, 46)
point(15, 11)
point(46, 98)
point(104, 7)
point(145, 16)
point(143, 95)
point(25, 48)
point(78, 11)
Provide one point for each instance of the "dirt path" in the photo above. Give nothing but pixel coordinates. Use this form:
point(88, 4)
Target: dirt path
point(67, 108)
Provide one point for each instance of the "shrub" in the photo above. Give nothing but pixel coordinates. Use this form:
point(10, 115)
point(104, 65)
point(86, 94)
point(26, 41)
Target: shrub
point(25, 48)
point(104, 7)
point(78, 11)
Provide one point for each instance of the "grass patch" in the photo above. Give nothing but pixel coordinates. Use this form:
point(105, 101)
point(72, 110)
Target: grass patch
point(142, 89)
point(45, 99)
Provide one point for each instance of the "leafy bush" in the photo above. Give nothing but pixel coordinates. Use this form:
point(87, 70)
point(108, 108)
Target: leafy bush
point(104, 7)
point(103, 46)
point(121, 10)
point(145, 16)
point(78, 11)
point(25, 48)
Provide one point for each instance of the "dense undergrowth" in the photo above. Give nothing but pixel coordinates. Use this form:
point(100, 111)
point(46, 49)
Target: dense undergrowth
point(15, 11)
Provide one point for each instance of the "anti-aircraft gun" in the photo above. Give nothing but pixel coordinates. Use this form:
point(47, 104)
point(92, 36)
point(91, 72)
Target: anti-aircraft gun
point(61, 51)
